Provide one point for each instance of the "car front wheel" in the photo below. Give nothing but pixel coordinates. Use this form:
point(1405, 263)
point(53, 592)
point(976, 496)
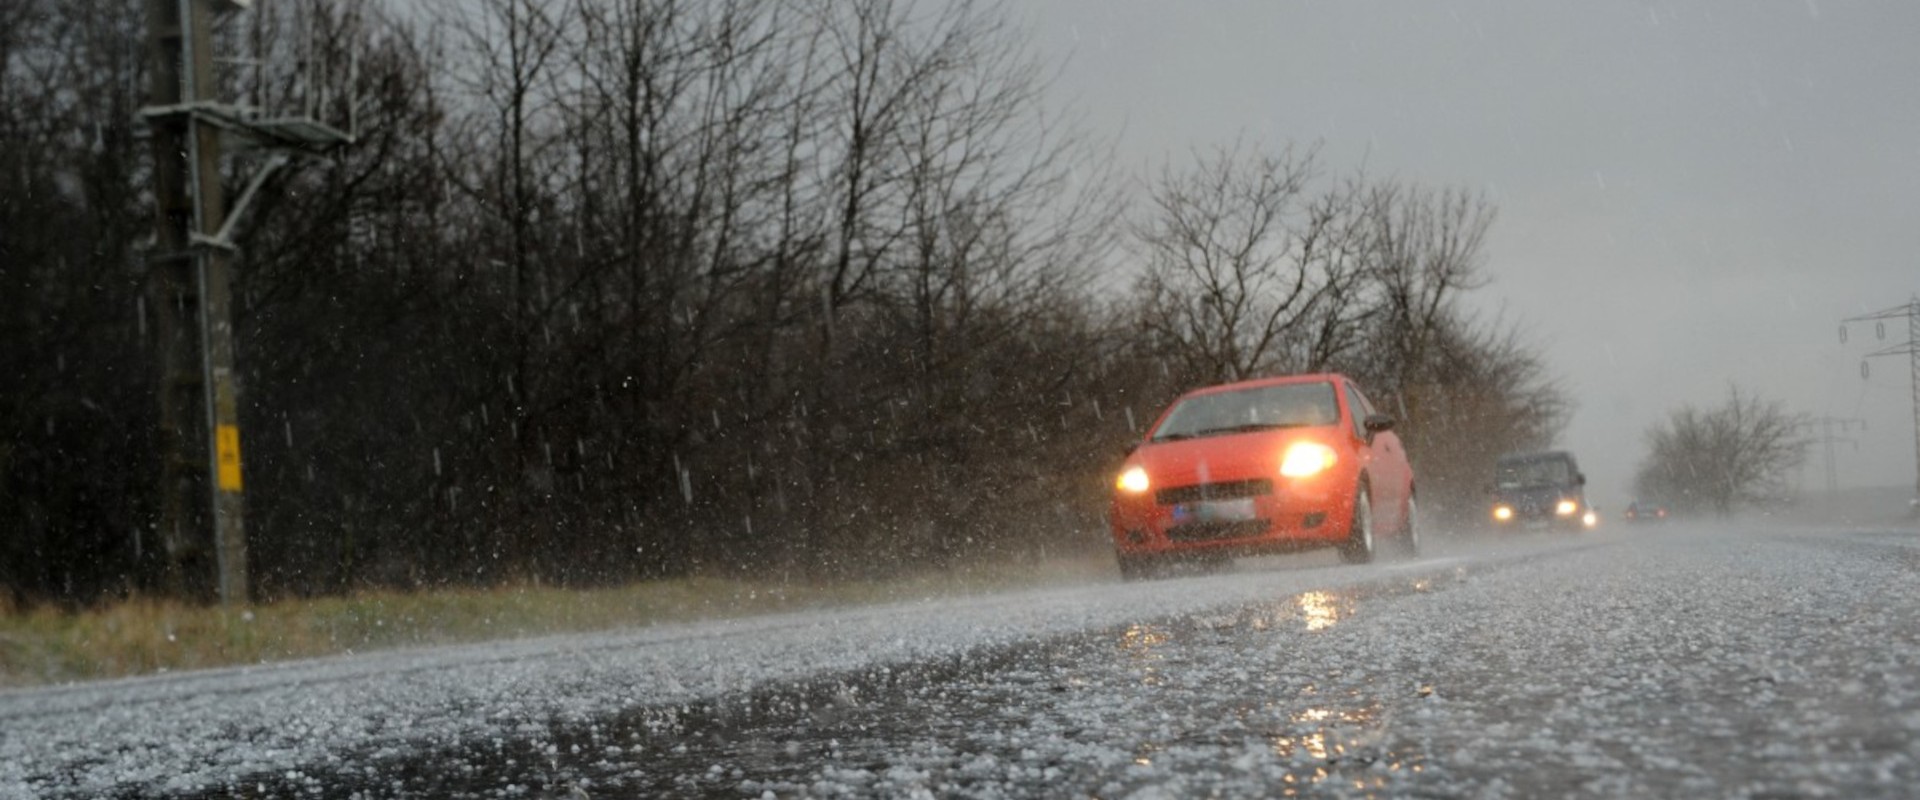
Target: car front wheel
point(1358, 548)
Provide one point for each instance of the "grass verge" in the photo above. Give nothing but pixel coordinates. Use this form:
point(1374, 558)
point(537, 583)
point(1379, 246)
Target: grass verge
point(144, 636)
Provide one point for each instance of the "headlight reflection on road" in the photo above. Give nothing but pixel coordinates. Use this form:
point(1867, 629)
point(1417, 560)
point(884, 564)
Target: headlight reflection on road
point(1140, 640)
point(1140, 643)
point(1323, 609)
point(1346, 735)
point(1315, 744)
point(1364, 715)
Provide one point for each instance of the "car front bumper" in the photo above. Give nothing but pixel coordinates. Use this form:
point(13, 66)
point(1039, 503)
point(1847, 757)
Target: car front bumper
point(1274, 524)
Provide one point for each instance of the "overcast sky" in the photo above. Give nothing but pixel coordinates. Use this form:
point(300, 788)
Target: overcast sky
point(1690, 194)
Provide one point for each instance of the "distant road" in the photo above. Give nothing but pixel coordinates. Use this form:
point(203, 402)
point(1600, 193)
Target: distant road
point(1631, 663)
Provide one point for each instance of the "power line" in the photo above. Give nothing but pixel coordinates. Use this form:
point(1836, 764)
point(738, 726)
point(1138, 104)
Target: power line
point(1909, 348)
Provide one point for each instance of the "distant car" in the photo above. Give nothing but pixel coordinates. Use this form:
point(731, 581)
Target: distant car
point(1643, 511)
point(1263, 466)
point(1541, 490)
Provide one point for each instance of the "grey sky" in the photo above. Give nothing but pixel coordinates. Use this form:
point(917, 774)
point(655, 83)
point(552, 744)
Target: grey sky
point(1690, 193)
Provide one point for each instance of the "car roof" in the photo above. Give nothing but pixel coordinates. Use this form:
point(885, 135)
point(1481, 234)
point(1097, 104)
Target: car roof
point(1278, 380)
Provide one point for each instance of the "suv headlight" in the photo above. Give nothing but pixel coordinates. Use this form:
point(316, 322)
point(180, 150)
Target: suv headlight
point(1566, 508)
point(1133, 481)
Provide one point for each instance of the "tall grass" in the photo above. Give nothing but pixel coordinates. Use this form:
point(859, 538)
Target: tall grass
point(144, 635)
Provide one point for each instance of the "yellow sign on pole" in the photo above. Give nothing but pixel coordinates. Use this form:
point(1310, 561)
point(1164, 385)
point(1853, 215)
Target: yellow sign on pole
point(227, 446)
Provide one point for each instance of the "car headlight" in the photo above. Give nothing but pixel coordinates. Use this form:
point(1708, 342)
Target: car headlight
point(1306, 459)
point(1134, 480)
point(1503, 513)
point(1566, 508)
point(1591, 519)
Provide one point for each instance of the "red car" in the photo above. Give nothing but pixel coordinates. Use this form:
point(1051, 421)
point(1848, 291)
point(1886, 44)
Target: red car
point(1263, 466)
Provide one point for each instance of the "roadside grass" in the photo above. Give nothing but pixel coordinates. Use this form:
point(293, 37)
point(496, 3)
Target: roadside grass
point(143, 636)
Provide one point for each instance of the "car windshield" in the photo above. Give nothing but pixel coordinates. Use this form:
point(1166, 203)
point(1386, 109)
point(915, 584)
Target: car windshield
point(1291, 405)
point(1534, 472)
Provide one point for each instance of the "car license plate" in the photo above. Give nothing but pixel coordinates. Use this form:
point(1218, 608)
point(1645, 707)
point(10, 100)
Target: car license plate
point(1239, 510)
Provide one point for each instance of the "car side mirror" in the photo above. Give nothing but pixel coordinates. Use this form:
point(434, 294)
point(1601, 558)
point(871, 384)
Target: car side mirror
point(1379, 422)
point(1128, 450)
point(1579, 479)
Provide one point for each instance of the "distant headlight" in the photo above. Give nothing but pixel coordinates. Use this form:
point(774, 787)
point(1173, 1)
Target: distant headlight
point(1306, 459)
point(1566, 508)
point(1503, 513)
point(1134, 480)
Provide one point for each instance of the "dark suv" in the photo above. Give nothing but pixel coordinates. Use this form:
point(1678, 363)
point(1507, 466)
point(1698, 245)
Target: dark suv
point(1540, 490)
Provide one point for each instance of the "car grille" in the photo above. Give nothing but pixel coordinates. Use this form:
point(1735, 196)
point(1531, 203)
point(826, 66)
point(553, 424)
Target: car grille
point(1231, 490)
point(1207, 531)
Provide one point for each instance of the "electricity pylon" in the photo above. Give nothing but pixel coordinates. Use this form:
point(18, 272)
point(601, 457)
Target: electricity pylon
point(1909, 348)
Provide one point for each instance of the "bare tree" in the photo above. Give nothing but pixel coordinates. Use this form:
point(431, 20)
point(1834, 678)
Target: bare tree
point(512, 54)
point(75, 418)
point(358, 251)
point(1466, 389)
point(1721, 458)
point(1423, 249)
point(1240, 257)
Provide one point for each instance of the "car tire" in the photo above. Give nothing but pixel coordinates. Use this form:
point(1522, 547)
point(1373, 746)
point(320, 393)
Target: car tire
point(1410, 530)
point(1359, 547)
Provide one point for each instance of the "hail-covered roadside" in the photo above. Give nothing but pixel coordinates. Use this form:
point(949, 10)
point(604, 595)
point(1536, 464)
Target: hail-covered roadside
point(203, 730)
point(1672, 663)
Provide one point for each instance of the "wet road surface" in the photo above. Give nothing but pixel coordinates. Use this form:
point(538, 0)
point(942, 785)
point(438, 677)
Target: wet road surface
point(1630, 664)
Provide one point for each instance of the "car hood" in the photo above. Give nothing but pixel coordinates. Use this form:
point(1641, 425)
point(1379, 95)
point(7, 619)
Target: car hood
point(1218, 459)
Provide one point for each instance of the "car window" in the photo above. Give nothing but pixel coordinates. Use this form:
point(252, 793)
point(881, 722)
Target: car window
point(1290, 405)
point(1534, 472)
point(1357, 403)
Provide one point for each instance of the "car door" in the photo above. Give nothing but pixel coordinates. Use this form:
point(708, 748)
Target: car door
point(1385, 460)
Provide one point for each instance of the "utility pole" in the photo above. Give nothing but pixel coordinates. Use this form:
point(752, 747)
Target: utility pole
point(1909, 348)
point(1828, 439)
point(201, 506)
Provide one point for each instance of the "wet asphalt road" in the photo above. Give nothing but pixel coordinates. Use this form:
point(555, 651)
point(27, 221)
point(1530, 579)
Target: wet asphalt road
point(1664, 662)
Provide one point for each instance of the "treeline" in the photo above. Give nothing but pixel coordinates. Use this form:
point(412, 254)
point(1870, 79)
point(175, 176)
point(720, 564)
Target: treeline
point(622, 289)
